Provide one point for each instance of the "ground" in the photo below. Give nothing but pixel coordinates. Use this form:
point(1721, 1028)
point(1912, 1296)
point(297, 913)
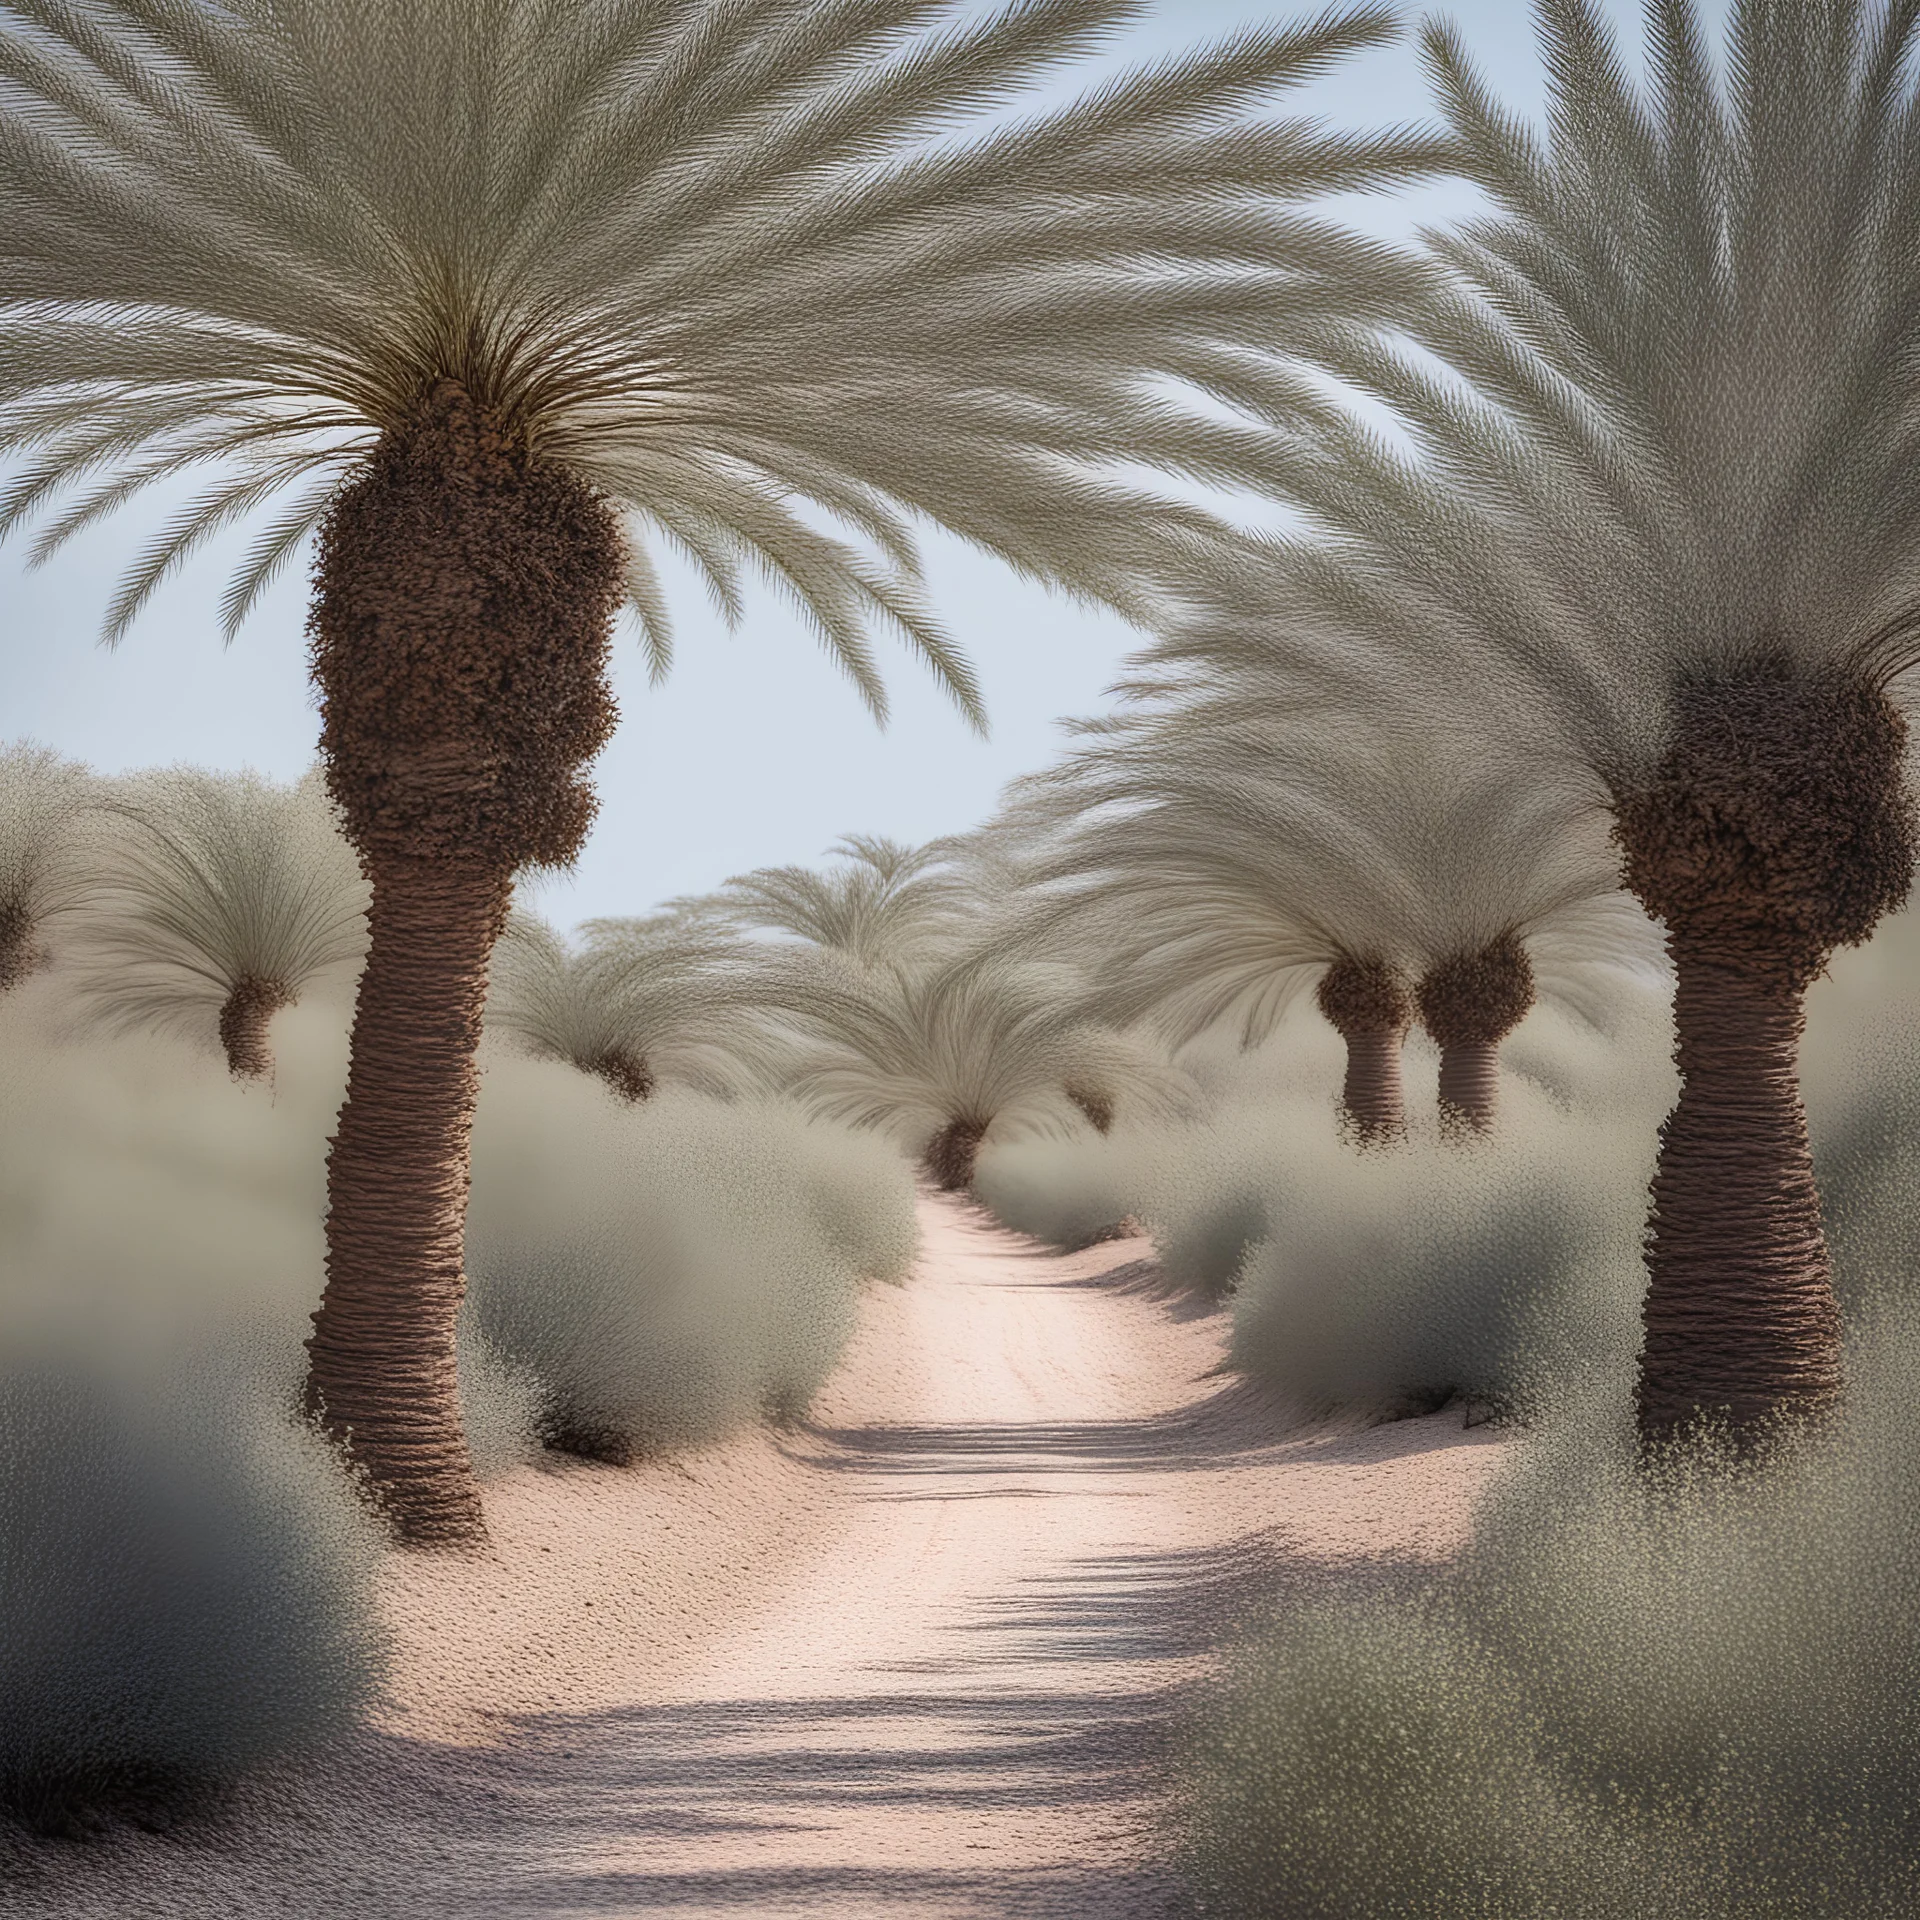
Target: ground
point(924, 1655)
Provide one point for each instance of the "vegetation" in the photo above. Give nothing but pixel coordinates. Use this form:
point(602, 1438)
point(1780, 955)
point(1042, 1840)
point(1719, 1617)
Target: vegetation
point(43, 810)
point(217, 902)
point(485, 297)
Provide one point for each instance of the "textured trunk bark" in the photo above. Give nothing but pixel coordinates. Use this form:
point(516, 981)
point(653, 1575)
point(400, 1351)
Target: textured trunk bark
point(952, 1152)
point(1469, 1002)
point(460, 633)
point(1740, 1314)
point(246, 1018)
point(1776, 828)
point(1371, 1098)
point(382, 1349)
point(1469, 1086)
point(1366, 1002)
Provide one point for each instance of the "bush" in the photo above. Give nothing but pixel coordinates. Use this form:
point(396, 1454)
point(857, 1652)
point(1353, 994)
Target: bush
point(1505, 1270)
point(671, 1270)
point(1687, 1694)
point(186, 1582)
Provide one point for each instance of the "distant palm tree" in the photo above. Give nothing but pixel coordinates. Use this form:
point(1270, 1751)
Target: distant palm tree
point(1669, 479)
point(44, 807)
point(215, 902)
point(640, 1003)
point(882, 903)
point(943, 1053)
point(492, 293)
point(1234, 837)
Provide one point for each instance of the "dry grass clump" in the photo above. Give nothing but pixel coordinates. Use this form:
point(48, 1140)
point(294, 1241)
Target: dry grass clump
point(186, 1580)
point(1504, 1272)
point(669, 1271)
point(44, 802)
point(1685, 1694)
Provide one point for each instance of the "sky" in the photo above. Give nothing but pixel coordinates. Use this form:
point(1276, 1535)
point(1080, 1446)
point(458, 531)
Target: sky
point(757, 751)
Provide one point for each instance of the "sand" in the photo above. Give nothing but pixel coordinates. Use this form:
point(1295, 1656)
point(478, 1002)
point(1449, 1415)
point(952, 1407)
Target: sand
point(922, 1656)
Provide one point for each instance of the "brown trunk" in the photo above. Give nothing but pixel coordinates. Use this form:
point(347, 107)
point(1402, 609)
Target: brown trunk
point(952, 1152)
point(382, 1350)
point(626, 1073)
point(1469, 1087)
point(1740, 1315)
point(1469, 1002)
point(245, 1019)
point(460, 638)
point(1366, 1001)
point(1776, 828)
point(19, 952)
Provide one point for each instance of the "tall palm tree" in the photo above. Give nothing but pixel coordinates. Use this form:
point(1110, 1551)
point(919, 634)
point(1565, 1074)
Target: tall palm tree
point(488, 295)
point(44, 805)
point(1666, 477)
point(215, 902)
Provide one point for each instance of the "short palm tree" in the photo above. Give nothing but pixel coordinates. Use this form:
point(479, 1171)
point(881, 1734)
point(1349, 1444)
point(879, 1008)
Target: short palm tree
point(490, 295)
point(44, 809)
point(640, 1004)
point(1233, 839)
point(214, 901)
point(1667, 480)
point(942, 1054)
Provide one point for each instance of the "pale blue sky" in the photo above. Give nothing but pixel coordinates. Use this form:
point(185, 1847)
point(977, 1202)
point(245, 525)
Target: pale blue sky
point(756, 751)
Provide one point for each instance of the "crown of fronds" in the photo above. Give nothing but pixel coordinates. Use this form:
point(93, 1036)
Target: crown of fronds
point(667, 994)
point(753, 271)
point(1673, 422)
point(971, 1037)
point(208, 882)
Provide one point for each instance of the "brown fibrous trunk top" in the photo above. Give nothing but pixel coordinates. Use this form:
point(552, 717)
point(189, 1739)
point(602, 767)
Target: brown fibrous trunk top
point(460, 640)
point(1477, 998)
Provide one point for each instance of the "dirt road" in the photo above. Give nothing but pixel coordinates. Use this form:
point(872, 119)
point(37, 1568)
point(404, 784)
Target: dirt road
point(919, 1659)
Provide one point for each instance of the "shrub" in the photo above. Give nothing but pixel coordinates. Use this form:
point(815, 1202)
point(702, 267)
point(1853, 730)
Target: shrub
point(1687, 1694)
point(671, 1270)
point(1506, 1270)
point(185, 1577)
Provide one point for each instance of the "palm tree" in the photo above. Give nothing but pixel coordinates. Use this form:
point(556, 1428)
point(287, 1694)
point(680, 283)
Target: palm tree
point(220, 898)
point(1235, 836)
point(1666, 479)
point(942, 1054)
point(44, 802)
point(882, 903)
point(488, 295)
point(661, 999)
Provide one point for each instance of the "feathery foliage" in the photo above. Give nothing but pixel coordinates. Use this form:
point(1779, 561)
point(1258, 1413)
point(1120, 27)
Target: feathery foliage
point(645, 1002)
point(219, 900)
point(43, 804)
point(747, 271)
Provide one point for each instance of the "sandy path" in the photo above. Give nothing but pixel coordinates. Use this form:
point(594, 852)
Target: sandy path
point(916, 1660)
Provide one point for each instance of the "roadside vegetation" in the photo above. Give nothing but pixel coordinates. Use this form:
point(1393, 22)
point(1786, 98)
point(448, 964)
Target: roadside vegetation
point(1471, 947)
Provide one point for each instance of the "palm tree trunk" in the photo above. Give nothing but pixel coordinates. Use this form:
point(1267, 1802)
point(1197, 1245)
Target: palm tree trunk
point(1740, 1314)
point(246, 1017)
point(1371, 1097)
point(382, 1350)
point(952, 1152)
point(1470, 1002)
point(1469, 1086)
point(1366, 1002)
point(1776, 828)
point(461, 632)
